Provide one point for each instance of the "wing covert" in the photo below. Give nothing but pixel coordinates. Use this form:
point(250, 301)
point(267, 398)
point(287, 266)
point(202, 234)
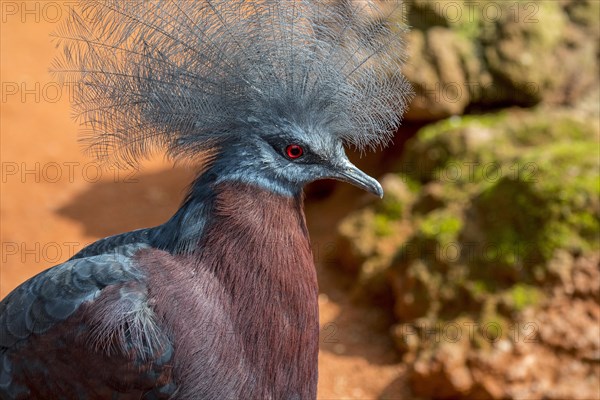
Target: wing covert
point(89, 318)
point(55, 294)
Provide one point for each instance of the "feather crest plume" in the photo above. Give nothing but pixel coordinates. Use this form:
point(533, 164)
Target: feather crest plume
point(184, 75)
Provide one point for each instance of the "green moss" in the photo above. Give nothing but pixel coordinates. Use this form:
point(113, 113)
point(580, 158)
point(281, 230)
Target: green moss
point(412, 184)
point(539, 129)
point(392, 208)
point(508, 191)
point(441, 225)
point(536, 182)
point(382, 225)
point(568, 179)
point(469, 29)
point(522, 295)
point(480, 288)
point(549, 32)
point(533, 186)
point(438, 131)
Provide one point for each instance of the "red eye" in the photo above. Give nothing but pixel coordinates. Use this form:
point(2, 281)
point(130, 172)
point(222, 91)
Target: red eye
point(294, 151)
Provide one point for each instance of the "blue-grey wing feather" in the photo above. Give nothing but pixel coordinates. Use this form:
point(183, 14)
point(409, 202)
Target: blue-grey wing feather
point(120, 241)
point(55, 294)
point(125, 326)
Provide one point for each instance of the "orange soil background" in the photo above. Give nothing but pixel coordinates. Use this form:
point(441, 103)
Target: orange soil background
point(54, 200)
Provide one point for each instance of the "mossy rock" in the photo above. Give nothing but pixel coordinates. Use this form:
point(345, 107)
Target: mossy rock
point(585, 13)
point(367, 238)
point(453, 149)
point(468, 55)
point(521, 296)
point(493, 199)
point(548, 202)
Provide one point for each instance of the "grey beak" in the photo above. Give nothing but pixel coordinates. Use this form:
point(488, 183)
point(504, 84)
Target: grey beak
point(348, 172)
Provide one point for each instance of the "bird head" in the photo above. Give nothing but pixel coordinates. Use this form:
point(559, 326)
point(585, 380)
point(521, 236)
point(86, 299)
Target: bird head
point(285, 156)
point(274, 89)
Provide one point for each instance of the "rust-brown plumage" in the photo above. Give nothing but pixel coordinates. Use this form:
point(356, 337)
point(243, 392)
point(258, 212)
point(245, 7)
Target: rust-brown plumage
point(272, 326)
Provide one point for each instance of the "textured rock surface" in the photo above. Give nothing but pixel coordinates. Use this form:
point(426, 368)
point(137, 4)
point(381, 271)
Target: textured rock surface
point(489, 241)
point(479, 54)
point(488, 237)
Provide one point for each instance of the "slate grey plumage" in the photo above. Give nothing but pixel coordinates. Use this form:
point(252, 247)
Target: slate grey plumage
point(183, 75)
point(53, 296)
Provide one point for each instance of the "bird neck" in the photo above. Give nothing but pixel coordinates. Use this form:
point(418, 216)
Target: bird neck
point(236, 221)
point(181, 233)
point(257, 246)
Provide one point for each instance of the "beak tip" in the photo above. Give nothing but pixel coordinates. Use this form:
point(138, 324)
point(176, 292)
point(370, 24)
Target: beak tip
point(350, 174)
